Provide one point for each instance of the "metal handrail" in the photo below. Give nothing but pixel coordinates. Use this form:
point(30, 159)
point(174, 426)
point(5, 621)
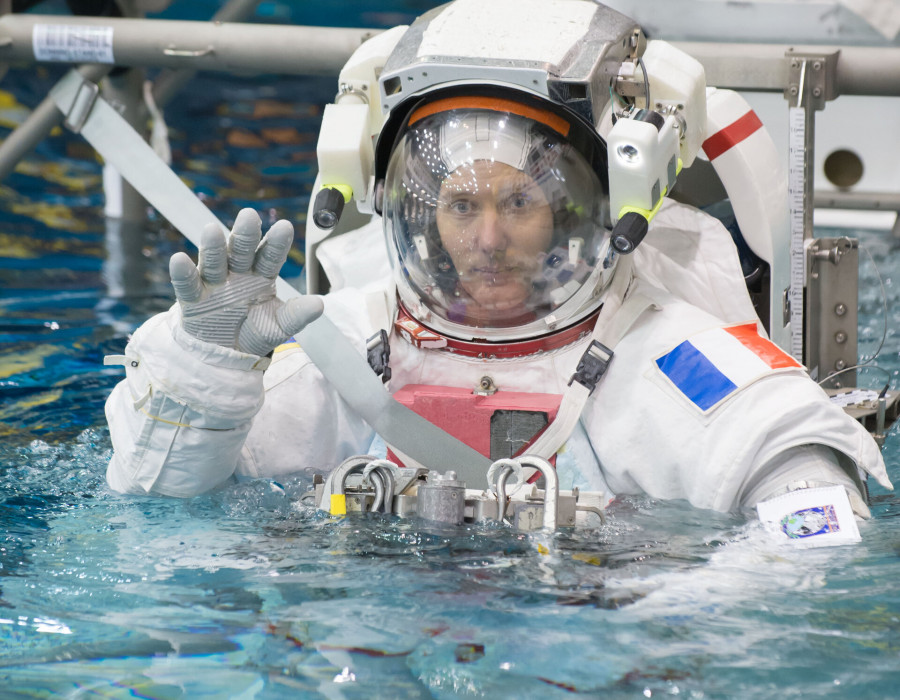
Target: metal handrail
point(304, 50)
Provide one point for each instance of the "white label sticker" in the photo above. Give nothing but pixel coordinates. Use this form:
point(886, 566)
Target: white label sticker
point(812, 517)
point(72, 43)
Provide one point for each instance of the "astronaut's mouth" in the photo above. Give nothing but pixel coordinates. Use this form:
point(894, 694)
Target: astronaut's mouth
point(496, 276)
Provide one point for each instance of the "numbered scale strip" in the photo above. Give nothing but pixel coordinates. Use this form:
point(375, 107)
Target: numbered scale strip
point(796, 191)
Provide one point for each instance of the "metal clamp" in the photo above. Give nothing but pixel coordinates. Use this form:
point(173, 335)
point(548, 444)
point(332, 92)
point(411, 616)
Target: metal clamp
point(81, 106)
point(381, 473)
point(378, 353)
point(497, 476)
point(592, 365)
point(502, 469)
point(378, 472)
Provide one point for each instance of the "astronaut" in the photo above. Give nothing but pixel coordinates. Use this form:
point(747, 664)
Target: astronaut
point(498, 204)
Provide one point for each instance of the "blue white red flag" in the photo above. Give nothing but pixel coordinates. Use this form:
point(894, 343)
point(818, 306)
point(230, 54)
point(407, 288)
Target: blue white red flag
point(710, 366)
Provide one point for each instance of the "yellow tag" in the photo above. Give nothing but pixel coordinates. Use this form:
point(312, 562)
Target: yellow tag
point(289, 345)
point(542, 549)
point(589, 558)
point(345, 190)
point(338, 504)
point(646, 213)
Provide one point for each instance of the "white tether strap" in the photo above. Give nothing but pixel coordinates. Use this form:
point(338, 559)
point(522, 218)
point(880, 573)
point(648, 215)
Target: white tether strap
point(620, 311)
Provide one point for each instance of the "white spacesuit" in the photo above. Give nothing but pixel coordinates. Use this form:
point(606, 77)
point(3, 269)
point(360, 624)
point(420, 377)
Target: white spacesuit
point(499, 204)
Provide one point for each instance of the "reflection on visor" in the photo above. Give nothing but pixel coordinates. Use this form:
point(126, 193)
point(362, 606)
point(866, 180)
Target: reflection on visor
point(495, 222)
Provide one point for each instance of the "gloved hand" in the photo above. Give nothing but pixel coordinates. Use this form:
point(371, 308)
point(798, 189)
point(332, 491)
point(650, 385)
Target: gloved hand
point(230, 300)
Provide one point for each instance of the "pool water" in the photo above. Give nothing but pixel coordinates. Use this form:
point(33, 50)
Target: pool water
point(250, 593)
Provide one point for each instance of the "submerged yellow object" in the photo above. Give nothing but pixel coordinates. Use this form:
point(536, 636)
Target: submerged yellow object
point(55, 216)
point(18, 362)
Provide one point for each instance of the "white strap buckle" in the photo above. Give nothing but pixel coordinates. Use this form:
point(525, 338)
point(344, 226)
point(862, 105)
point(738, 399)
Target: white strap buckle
point(81, 106)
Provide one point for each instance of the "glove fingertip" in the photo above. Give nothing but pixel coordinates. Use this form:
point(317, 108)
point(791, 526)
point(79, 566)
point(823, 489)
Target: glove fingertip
point(299, 312)
point(247, 222)
point(213, 257)
point(280, 228)
point(213, 234)
point(185, 278)
point(274, 249)
point(179, 265)
point(244, 239)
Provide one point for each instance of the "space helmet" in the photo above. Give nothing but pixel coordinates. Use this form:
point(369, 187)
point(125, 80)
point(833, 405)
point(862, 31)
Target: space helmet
point(503, 145)
point(495, 195)
point(494, 219)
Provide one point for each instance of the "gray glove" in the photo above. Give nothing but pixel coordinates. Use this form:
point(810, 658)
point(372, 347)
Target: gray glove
point(230, 300)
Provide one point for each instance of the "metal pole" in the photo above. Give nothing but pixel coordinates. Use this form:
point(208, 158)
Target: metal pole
point(869, 201)
point(229, 46)
point(222, 46)
point(859, 71)
point(38, 124)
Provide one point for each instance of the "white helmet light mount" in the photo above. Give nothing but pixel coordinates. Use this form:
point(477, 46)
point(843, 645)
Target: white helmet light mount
point(648, 147)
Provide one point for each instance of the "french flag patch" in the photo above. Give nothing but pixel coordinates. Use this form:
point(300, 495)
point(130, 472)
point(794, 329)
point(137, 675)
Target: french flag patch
point(710, 366)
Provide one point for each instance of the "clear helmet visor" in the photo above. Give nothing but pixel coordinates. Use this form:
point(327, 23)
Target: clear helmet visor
point(497, 226)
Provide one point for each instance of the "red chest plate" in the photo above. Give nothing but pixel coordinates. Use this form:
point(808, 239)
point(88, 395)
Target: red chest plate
point(498, 425)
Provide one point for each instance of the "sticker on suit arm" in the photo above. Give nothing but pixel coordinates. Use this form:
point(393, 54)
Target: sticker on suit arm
point(813, 517)
point(712, 366)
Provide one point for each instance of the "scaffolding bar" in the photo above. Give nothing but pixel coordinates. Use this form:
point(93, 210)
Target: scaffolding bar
point(762, 67)
point(295, 50)
point(220, 46)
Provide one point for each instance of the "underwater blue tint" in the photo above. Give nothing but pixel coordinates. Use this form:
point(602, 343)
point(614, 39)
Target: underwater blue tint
point(250, 593)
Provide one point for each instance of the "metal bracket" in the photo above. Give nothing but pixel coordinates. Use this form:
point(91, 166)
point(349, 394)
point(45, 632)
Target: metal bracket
point(832, 323)
point(81, 106)
point(628, 87)
point(592, 365)
point(812, 79)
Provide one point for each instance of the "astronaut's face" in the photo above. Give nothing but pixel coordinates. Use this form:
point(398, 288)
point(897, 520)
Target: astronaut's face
point(494, 220)
point(496, 225)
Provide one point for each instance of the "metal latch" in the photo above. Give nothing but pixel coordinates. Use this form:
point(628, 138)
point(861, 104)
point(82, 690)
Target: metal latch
point(592, 365)
point(378, 353)
point(81, 106)
point(833, 254)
